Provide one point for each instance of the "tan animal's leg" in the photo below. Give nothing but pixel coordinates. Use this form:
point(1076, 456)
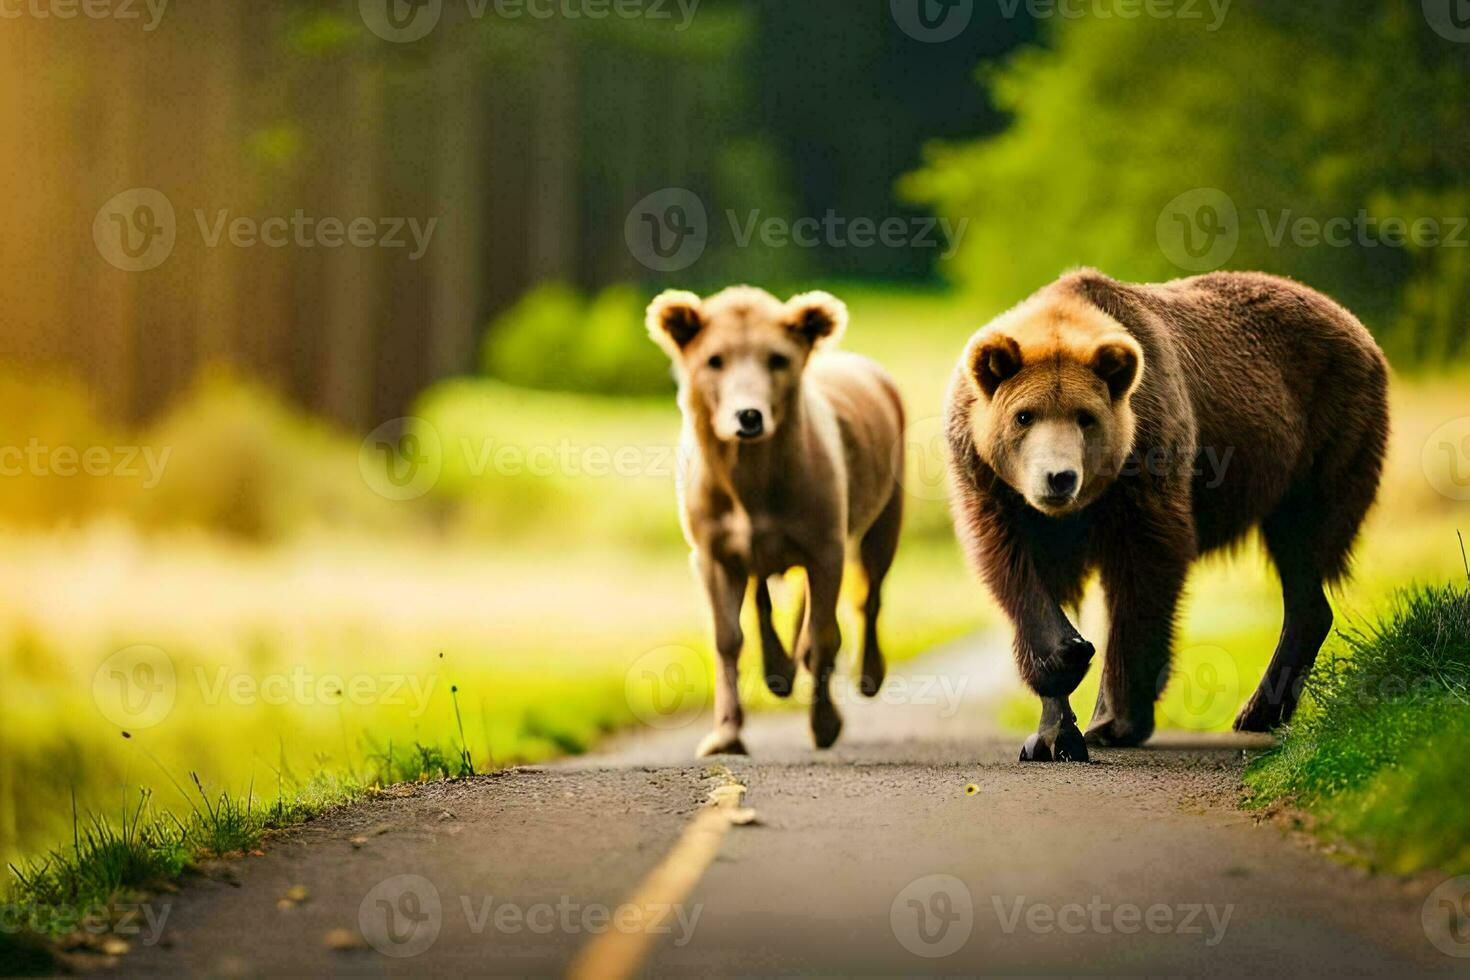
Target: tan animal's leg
point(780, 668)
point(877, 550)
point(726, 586)
point(824, 583)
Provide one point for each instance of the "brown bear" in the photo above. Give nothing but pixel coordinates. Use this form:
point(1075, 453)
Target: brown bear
point(1129, 429)
point(793, 453)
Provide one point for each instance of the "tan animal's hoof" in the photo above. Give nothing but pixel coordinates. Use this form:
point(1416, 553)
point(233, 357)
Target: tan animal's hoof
point(826, 725)
point(872, 680)
point(721, 743)
point(781, 677)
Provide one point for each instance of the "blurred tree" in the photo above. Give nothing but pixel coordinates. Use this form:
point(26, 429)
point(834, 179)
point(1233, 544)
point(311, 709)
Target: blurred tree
point(526, 140)
point(1325, 109)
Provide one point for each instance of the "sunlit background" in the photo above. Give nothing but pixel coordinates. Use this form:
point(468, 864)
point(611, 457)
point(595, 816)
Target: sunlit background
point(332, 450)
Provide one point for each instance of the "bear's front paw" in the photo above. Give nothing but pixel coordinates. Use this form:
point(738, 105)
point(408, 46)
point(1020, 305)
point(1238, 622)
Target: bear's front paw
point(1062, 744)
point(1121, 733)
point(1062, 668)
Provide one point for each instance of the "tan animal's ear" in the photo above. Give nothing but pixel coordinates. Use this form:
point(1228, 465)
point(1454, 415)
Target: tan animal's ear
point(1119, 362)
point(674, 320)
point(816, 318)
point(994, 360)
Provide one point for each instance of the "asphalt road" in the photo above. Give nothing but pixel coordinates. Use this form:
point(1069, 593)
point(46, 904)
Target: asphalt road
point(918, 846)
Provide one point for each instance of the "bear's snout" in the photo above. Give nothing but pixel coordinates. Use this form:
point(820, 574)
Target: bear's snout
point(1062, 484)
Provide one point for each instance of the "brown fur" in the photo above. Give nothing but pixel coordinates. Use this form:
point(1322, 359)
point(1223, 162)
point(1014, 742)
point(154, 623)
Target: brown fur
point(1256, 403)
point(824, 473)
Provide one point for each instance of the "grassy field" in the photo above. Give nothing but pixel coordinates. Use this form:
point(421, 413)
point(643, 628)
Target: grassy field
point(277, 648)
point(268, 620)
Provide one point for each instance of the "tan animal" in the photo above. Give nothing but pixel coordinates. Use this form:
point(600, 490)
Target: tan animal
point(792, 452)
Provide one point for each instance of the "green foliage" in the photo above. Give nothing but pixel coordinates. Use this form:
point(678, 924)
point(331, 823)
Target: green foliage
point(1380, 747)
point(240, 460)
point(555, 339)
point(1311, 110)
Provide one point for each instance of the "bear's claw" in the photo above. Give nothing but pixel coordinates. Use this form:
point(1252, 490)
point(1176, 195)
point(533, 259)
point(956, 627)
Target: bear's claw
point(1259, 715)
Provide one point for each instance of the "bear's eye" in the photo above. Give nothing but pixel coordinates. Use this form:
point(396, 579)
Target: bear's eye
point(1086, 420)
point(1024, 419)
point(717, 362)
point(779, 362)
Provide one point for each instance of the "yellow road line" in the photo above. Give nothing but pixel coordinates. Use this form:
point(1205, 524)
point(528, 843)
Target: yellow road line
point(618, 953)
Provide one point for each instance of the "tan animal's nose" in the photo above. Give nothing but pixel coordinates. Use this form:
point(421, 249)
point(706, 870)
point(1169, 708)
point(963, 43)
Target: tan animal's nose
point(752, 422)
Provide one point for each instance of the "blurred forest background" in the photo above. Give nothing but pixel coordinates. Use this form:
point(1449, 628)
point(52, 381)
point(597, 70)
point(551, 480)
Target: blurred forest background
point(266, 382)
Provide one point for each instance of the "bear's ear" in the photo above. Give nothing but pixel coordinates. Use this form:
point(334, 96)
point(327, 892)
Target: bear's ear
point(674, 320)
point(994, 359)
point(816, 318)
point(1119, 362)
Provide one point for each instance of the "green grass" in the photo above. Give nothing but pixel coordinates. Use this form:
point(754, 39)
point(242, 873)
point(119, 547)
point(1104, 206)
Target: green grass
point(1378, 752)
point(110, 863)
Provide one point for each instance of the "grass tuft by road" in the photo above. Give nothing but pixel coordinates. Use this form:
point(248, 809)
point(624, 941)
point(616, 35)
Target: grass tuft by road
point(1379, 750)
